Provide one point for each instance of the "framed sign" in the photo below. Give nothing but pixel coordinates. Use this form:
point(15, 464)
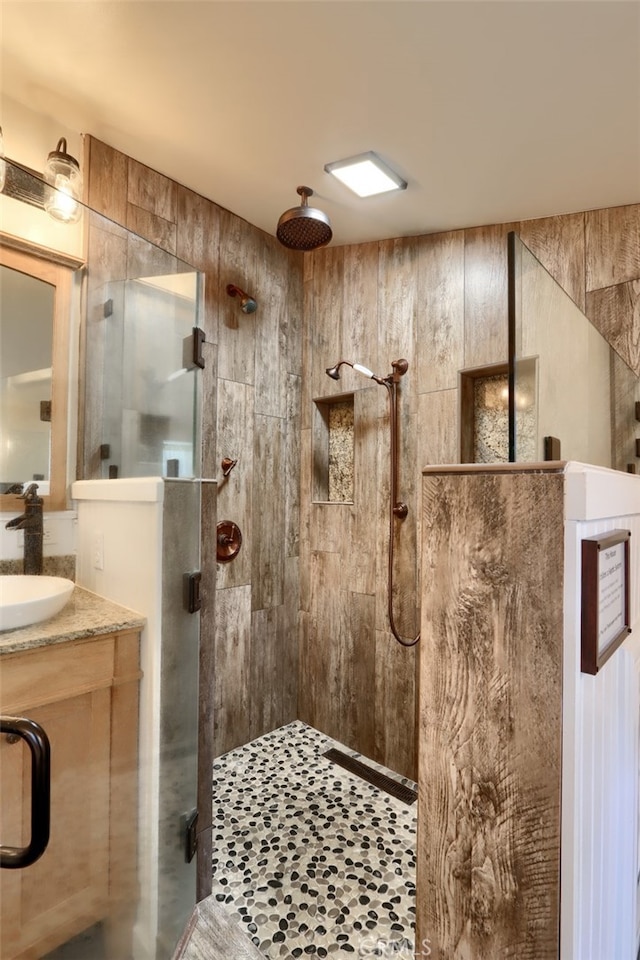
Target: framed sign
point(605, 597)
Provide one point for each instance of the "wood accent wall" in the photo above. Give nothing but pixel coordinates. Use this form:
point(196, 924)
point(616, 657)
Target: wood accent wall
point(251, 409)
point(491, 716)
point(440, 301)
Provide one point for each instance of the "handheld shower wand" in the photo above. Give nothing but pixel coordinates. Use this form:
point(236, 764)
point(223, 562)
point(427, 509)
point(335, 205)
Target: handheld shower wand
point(334, 372)
point(397, 509)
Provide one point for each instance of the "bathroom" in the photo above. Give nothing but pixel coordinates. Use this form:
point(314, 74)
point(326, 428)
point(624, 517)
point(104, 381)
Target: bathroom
point(307, 589)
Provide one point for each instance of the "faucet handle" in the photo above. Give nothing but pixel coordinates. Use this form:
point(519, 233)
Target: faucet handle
point(31, 493)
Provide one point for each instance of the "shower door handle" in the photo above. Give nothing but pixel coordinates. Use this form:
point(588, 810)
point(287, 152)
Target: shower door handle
point(36, 739)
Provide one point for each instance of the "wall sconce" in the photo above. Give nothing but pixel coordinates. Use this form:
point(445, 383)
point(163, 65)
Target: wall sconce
point(247, 303)
point(62, 173)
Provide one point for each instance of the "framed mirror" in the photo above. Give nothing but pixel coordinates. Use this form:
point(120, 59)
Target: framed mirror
point(36, 287)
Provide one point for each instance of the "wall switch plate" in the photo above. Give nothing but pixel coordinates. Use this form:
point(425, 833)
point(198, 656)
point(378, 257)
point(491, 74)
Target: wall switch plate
point(98, 551)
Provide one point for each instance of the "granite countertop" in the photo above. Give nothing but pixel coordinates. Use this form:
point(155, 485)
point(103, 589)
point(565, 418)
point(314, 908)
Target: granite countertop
point(85, 615)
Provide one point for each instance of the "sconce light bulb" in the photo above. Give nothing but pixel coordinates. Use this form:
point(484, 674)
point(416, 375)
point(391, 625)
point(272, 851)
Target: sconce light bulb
point(62, 173)
point(61, 204)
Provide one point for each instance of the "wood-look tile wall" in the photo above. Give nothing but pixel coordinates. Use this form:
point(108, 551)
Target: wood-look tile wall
point(441, 302)
point(491, 716)
point(438, 300)
point(251, 410)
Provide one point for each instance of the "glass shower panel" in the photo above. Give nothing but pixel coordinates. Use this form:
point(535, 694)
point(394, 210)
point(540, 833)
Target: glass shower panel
point(566, 382)
point(178, 748)
point(150, 391)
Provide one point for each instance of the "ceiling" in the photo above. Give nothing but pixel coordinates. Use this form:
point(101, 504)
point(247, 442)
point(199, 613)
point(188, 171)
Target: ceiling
point(492, 111)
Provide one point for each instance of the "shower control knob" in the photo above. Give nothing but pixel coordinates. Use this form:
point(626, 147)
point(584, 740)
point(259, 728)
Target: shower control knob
point(229, 541)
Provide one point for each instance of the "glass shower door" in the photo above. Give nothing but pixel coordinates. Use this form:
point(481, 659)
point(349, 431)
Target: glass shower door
point(150, 391)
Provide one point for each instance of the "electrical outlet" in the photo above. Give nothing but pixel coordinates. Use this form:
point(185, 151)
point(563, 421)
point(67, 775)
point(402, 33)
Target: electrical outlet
point(98, 551)
point(48, 535)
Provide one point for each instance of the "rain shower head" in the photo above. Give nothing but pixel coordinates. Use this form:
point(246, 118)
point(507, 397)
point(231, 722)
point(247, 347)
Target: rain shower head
point(304, 227)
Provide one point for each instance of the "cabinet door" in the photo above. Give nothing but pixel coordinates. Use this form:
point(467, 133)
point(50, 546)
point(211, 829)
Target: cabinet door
point(67, 889)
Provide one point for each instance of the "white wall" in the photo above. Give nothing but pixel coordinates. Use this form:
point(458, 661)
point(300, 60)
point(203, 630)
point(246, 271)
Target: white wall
point(599, 914)
point(120, 558)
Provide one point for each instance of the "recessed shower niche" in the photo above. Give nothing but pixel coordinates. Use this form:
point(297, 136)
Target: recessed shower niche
point(484, 411)
point(333, 446)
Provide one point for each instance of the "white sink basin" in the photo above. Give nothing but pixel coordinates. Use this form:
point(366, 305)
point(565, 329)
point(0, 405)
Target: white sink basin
point(25, 600)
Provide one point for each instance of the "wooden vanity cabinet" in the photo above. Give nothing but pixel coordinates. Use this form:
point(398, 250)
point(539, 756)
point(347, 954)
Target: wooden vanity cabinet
point(85, 696)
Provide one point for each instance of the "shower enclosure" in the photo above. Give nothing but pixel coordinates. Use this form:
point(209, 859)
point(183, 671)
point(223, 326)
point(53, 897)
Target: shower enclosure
point(142, 420)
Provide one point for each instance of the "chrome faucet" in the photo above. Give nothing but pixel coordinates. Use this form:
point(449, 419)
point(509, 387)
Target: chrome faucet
point(31, 523)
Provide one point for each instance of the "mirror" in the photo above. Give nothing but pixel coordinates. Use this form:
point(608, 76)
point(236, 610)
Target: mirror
point(35, 306)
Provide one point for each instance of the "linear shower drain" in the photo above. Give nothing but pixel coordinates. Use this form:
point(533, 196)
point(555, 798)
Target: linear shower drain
point(374, 777)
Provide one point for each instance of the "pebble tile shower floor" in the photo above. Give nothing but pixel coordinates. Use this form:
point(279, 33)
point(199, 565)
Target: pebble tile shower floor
point(310, 858)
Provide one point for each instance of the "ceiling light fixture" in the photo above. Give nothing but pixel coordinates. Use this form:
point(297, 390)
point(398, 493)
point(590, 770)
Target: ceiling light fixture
point(366, 175)
point(62, 173)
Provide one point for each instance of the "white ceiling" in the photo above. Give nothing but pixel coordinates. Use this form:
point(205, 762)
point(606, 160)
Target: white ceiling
point(492, 110)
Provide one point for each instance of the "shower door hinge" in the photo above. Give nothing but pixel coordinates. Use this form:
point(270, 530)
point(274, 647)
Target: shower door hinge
point(192, 591)
point(190, 822)
point(192, 349)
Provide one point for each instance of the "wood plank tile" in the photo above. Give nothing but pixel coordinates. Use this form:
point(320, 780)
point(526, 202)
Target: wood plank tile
point(612, 246)
point(269, 321)
point(209, 393)
point(232, 664)
point(360, 305)
point(267, 554)
point(235, 440)
point(151, 191)
point(559, 245)
point(397, 309)
point(438, 435)
point(263, 694)
point(395, 704)
point(485, 294)
point(615, 311)
point(306, 410)
point(360, 675)
point(362, 554)
point(490, 715)
point(151, 227)
point(197, 243)
point(440, 311)
point(106, 180)
point(292, 483)
point(236, 330)
point(324, 321)
point(331, 527)
point(288, 621)
point(146, 259)
point(293, 318)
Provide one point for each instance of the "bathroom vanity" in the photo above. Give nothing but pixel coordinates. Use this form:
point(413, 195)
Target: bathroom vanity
point(77, 675)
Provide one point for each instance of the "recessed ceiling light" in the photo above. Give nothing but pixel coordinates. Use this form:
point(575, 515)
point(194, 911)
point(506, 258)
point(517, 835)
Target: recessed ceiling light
point(366, 174)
